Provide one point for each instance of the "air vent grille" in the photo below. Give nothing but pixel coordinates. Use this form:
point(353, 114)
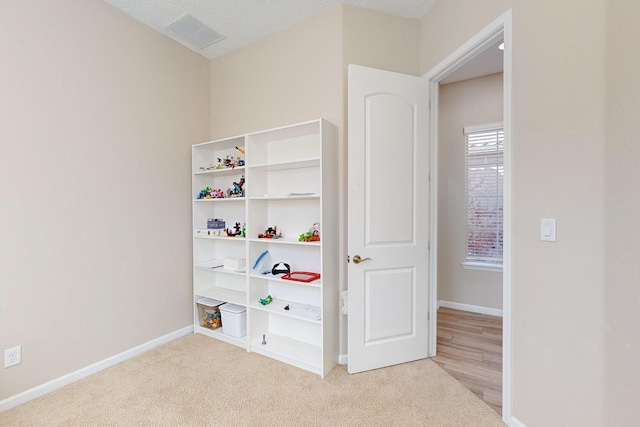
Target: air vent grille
point(191, 30)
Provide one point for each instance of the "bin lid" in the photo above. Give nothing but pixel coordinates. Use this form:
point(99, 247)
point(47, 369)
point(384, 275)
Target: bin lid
point(232, 308)
point(209, 302)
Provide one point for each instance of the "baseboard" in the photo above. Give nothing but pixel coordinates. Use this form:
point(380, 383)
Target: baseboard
point(514, 422)
point(48, 387)
point(471, 308)
point(343, 359)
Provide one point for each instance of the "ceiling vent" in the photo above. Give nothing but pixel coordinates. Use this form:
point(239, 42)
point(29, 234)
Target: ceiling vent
point(194, 32)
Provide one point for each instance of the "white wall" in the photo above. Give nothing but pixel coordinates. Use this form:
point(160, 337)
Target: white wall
point(558, 289)
point(470, 102)
point(97, 116)
point(622, 301)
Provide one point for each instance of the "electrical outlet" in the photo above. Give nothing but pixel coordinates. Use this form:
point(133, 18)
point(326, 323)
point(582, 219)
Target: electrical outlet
point(12, 356)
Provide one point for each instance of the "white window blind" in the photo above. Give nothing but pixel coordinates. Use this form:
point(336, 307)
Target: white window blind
point(484, 195)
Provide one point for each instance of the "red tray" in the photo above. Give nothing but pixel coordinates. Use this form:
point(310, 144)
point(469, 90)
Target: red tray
point(301, 276)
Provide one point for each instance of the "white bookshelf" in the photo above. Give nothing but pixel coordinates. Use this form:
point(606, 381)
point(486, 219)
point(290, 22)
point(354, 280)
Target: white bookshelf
point(291, 182)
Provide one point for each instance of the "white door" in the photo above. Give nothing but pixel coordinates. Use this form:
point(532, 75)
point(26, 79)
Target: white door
point(388, 218)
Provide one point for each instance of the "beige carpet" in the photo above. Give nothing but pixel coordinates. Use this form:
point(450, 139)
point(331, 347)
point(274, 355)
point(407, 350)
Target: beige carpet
point(199, 381)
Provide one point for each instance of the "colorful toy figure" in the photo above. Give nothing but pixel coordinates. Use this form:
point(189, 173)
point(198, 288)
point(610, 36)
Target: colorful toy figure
point(209, 193)
point(237, 190)
point(313, 235)
point(265, 301)
point(238, 160)
point(205, 193)
point(237, 231)
point(270, 233)
point(227, 162)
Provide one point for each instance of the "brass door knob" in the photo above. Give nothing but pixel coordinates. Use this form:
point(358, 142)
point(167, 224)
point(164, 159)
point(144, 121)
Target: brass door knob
point(358, 260)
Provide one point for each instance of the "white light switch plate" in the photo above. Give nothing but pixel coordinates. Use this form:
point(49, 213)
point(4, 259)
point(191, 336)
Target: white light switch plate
point(548, 229)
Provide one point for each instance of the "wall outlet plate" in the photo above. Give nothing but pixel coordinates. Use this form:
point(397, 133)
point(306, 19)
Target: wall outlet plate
point(12, 356)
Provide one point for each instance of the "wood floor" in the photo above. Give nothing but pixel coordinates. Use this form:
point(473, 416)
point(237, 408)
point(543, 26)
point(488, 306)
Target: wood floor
point(469, 347)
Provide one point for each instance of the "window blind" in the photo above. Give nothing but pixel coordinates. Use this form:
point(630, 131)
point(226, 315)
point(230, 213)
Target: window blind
point(484, 192)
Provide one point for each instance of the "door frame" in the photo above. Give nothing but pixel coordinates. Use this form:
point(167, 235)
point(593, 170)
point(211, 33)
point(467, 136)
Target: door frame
point(501, 27)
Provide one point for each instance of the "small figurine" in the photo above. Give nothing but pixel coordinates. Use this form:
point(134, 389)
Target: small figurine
point(209, 193)
point(313, 235)
point(270, 233)
point(238, 161)
point(237, 190)
point(236, 233)
point(205, 193)
point(265, 301)
point(227, 162)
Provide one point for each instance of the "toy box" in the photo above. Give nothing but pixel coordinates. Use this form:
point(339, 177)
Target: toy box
point(215, 223)
point(209, 312)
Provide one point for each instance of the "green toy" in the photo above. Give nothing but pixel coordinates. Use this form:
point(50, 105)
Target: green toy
point(267, 300)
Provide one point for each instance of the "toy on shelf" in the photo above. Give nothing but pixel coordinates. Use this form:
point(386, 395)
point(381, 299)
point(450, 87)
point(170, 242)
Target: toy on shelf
point(209, 193)
point(270, 233)
point(212, 320)
point(237, 190)
point(281, 268)
point(239, 161)
point(238, 230)
point(265, 301)
point(215, 227)
point(313, 235)
point(301, 276)
point(229, 161)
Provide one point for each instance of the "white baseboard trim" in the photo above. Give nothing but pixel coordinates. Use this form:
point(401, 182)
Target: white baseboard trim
point(514, 422)
point(343, 359)
point(48, 387)
point(471, 308)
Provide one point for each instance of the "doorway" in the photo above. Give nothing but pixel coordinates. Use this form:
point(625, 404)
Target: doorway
point(470, 181)
point(497, 31)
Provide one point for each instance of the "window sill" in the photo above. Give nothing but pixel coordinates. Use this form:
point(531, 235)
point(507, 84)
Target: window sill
point(483, 266)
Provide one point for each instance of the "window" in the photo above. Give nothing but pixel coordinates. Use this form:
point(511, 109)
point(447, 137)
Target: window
point(484, 204)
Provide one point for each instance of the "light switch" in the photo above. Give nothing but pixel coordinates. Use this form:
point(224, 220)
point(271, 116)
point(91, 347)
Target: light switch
point(548, 229)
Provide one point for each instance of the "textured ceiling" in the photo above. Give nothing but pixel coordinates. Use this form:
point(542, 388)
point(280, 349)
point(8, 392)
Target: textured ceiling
point(242, 22)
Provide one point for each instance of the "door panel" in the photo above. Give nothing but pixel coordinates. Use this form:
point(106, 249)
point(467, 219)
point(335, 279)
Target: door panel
point(388, 218)
point(397, 321)
point(388, 170)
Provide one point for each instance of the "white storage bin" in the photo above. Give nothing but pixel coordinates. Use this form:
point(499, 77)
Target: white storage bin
point(234, 320)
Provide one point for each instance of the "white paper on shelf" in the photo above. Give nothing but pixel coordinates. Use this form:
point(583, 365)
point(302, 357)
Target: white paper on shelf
point(301, 194)
point(308, 311)
point(212, 263)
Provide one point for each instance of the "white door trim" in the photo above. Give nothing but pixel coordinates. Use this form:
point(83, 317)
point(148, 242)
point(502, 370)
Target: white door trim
point(501, 27)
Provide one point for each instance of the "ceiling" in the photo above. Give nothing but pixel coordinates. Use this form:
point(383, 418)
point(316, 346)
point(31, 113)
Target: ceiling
point(489, 61)
point(215, 27)
point(242, 22)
